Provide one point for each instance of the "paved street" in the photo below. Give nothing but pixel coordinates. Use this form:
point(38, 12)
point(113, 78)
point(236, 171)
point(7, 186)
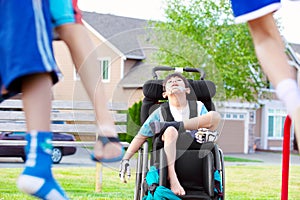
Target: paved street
point(80, 158)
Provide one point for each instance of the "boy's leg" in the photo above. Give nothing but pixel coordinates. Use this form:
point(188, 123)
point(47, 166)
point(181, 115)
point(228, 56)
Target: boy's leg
point(160, 127)
point(37, 98)
point(170, 137)
point(37, 178)
point(84, 56)
point(270, 51)
point(27, 26)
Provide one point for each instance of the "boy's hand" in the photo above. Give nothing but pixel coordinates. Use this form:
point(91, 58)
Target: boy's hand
point(124, 169)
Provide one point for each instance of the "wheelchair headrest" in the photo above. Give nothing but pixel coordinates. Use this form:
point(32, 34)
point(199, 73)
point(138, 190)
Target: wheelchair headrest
point(202, 90)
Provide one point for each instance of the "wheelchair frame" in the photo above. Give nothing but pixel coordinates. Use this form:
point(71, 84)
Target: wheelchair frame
point(143, 157)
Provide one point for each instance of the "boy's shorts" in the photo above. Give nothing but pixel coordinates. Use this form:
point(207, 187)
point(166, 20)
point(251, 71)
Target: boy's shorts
point(64, 12)
point(26, 42)
point(246, 10)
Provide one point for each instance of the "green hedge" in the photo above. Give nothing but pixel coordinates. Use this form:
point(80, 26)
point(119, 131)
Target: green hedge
point(133, 124)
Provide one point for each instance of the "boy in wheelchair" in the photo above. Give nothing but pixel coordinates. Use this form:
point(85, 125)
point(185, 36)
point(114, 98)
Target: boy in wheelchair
point(176, 88)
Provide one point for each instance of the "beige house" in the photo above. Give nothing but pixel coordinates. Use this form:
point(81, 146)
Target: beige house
point(118, 41)
point(123, 66)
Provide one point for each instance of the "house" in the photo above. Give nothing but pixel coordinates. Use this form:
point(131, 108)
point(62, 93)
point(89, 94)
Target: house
point(124, 67)
point(119, 41)
point(263, 122)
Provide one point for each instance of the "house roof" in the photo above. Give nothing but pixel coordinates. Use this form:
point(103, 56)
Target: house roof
point(123, 32)
point(296, 47)
point(137, 75)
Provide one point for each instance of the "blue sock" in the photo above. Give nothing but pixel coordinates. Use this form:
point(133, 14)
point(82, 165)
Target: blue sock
point(37, 178)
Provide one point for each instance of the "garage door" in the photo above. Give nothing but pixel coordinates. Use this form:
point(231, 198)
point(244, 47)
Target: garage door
point(231, 139)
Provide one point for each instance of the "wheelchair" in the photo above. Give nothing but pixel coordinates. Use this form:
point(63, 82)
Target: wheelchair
point(199, 164)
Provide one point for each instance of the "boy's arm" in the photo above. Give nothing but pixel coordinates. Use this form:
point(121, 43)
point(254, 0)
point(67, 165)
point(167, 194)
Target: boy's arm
point(134, 146)
point(209, 120)
point(143, 134)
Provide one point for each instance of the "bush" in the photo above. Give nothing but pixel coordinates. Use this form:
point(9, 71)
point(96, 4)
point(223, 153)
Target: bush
point(133, 122)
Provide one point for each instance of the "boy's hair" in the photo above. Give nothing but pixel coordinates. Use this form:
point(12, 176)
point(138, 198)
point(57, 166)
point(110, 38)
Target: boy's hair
point(186, 83)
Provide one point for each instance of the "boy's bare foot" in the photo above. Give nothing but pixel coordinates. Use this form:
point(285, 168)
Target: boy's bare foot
point(176, 187)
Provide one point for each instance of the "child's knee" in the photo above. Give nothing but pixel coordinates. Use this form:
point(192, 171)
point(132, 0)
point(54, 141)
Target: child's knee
point(170, 133)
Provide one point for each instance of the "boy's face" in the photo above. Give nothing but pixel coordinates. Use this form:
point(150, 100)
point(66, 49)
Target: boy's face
point(175, 85)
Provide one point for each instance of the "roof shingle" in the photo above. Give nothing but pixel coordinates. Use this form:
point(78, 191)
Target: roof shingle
point(122, 32)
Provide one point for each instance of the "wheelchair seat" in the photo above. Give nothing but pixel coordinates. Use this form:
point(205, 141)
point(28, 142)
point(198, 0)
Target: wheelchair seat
point(196, 164)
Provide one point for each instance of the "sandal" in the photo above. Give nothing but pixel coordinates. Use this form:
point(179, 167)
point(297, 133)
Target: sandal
point(104, 141)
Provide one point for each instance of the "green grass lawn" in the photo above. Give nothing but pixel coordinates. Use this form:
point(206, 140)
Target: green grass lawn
point(233, 159)
point(79, 184)
point(242, 182)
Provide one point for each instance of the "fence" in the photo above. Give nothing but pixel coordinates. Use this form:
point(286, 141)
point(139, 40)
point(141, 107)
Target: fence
point(75, 117)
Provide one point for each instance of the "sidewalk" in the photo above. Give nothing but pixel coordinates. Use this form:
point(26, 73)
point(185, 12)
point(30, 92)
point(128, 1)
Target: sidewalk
point(266, 158)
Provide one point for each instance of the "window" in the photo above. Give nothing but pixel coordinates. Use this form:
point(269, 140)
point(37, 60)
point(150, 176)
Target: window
point(105, 70)
point(233, 116)
point(276, 118)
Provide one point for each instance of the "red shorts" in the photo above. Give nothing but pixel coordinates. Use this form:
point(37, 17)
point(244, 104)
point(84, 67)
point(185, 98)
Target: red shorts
point(77, 12)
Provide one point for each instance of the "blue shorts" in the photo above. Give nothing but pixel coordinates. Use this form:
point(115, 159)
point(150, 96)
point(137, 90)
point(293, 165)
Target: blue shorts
point(26, 42)
point(64, 12)
point(246, 10)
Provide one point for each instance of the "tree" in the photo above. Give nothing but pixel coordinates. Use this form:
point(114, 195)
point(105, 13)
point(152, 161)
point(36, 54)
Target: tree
point(202, 34)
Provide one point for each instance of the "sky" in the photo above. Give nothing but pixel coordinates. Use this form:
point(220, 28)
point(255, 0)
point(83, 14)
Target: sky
point(290, 15)
point(153, 9)
point(143, 9)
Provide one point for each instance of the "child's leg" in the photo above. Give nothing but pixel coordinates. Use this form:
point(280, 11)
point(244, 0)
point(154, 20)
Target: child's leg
point(37, 178)
point(67, 20)
point(37, 98)
point(84, 56)
point(170, 137)
point(270, 51)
